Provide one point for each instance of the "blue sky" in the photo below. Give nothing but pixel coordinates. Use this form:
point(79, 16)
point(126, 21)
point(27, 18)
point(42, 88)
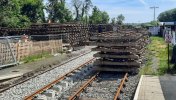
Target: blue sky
point(134, 10)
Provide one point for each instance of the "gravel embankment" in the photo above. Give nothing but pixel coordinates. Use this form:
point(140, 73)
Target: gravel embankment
point(130, 88)
point(20, 91)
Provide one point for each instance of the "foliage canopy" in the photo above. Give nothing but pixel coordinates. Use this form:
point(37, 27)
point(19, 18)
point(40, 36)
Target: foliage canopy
point(98, 17)
point(167, 16)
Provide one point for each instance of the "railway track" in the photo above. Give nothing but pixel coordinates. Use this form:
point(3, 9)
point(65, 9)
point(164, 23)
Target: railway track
point(27, 85)
point(122, 84)
point(24, 80)
point(84, 86)
point(108, 86)
point(39, 94)
point(58, 80)
point(89, 82)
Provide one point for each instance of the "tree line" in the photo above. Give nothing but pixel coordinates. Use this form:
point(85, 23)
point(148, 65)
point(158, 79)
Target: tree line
point(167, 16)
point(21, 13)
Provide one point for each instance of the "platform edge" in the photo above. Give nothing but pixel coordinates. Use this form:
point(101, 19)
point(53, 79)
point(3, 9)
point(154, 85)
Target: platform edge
point(138, 88)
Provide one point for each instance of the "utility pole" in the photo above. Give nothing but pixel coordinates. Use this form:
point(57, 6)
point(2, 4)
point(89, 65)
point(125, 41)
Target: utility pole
point(154, 7)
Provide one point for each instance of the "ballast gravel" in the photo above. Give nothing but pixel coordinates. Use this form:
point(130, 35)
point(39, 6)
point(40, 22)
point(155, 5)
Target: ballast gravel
point(130, 87)
point(20, 91)
point(105, 87)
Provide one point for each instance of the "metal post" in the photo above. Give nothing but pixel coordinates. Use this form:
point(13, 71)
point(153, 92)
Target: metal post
point(11, 51)
point(154, 7)
point(154, 14)
point(168, 57)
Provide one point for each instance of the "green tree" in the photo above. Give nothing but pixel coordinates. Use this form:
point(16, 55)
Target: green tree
point(33, 9)
point(77, 5)
point(98, 17)
point(113, 21)
point(167, 16)
point(82, 8)
point(149, 24)
point(120, 19)
point(10, 14)
point(95, 18)
point(105, 17)
point(87, 4)
point(58, 11)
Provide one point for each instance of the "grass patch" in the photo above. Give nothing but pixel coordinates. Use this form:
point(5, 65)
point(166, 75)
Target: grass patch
point(33, 58)
point(157, 48)
point(147, 69)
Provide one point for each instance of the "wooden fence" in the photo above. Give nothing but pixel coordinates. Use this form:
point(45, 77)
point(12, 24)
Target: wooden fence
point(32, 48)
point(24, 49)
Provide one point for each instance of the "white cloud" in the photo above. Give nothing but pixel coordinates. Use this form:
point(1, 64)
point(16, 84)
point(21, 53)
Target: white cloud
point(143, 2)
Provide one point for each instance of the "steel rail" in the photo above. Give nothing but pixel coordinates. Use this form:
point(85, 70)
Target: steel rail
point(84, 86)
point(122, 83)
point(71, 59)
point(30, 97)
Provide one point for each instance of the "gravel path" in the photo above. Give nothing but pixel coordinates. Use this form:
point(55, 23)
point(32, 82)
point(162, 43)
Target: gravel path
point(20, 91)
point(155, 64)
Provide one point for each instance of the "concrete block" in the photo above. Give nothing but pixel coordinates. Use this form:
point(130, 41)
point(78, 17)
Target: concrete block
point(50, 93)
point(64, 84)
point(69, 80)
point(57, 88)
point(74, 79)
point(77, 71)
point(40, 97)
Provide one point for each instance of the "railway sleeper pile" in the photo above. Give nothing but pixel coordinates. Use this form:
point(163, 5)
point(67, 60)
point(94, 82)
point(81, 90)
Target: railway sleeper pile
point(119, 51)
point(74, 34)
point(94, 28)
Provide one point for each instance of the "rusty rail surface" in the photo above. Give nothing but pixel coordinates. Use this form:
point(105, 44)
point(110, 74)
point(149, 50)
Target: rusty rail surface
point(30, 97)
point(84, 86)
point(120, 86)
